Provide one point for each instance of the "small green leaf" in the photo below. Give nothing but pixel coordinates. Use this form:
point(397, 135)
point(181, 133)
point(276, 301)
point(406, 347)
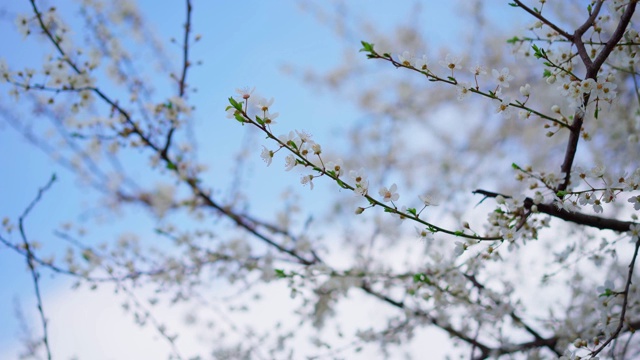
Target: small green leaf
point(259, 120)
point(537, 52)
point(514, 5)
point(240, 118)
point(280, 274)
point(513, 40)
point(412, 211)
point(458, 233)
point(171, 166)
point(607, 292)
point(595, 113)
point(546, 73)
point(561, 193)
point(366, 47)
point(86, 256)
point(515, 166)
point(421, 278)
point(235, 104)
point(342, 184)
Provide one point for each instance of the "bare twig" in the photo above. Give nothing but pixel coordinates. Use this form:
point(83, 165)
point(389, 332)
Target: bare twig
point(182, 82)
point(546, 21)
point(625, 302)
point(35, 275)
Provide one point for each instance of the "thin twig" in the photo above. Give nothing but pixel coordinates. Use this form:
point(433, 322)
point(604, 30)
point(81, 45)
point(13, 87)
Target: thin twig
point(546, 21)
point(625, 302)
point(182, 83)
point(32, 268)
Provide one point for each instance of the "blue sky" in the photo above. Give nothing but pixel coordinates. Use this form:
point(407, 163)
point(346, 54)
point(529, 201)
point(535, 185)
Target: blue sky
point(243, 44)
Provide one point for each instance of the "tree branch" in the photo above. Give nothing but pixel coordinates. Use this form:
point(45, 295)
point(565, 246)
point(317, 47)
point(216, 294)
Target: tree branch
point(625, 302)
point(182, 82)
point(574, 217)
point(546, 21)
point(32, 268)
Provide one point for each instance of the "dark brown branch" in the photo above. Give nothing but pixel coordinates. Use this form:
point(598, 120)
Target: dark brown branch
point(544, 20)
point(577, 36)
point(591, 73)
point(572, 144)
point(615, 38)
point(574, 217)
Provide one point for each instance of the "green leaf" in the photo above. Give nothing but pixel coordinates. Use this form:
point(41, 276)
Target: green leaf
point(235, 104)
point(595, 113)
point(366, 47)
point(171, 166)
point(421, 278)
point(240, 118)
point(458, 233)
point(562, 193)
point(513, 40)
point(607, 292)
point(514, 5)
point(546, 73)
point(259, 120)
point(342, 184)
point(280, 274)
point(86, 256)
point(537, 52)
point(412, 211)
point(515, 166)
